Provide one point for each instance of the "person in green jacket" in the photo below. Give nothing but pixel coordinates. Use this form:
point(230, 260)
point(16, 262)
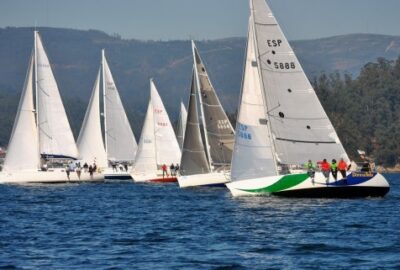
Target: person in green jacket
point(334, 169)
point(310, 169)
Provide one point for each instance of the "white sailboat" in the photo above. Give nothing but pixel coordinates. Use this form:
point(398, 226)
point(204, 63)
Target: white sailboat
point(218, 133)
point(281, 124)
point(158, 145)
point(120, 142)
point(42, 133)
point(180, 133)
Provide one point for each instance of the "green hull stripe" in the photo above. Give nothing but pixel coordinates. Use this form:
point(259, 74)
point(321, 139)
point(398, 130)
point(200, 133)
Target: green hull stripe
point(285, 182)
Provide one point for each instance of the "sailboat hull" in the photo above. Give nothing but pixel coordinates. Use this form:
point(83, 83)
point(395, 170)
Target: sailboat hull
point(153, 178)
point(47, 177)
point(205, 179)
point(110, 175)
point(355, 185)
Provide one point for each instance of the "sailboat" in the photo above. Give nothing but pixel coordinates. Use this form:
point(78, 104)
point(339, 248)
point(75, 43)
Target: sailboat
point(41, 134)
point(180, 133)
point(158, 145)
point(281, 124)
point(217, 129)
point(120, 142)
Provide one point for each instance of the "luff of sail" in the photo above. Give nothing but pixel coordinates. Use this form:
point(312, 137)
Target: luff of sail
point(55, 134)
point(120, 141)
point(194, 159)
point(253, 153)
point(145, 161)
point(181, 126)
point(90, 141)
point(23, 148)
point(220, 134)
point(167, 148)
point(300, 128)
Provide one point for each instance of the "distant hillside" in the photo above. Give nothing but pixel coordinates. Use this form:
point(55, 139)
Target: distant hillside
point(75, 57)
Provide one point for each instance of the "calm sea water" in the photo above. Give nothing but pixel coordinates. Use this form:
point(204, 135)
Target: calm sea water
point(146, 226)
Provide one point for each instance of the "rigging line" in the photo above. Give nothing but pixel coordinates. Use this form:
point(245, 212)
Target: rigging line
point(192, 151)
point(211, 105)
point(274, 108)
point(301, 141)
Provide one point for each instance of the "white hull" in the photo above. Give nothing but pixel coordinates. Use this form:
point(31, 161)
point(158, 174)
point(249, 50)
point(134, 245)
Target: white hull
point(205, 179)
point(56, 176)
point(300, 185)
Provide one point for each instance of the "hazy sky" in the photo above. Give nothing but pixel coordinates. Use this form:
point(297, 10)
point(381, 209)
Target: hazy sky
point(204, 19)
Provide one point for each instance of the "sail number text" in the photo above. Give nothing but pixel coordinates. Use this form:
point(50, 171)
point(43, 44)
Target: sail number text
point(223, 124)
point(283, 65)
point(243, 132)
point(274, 42)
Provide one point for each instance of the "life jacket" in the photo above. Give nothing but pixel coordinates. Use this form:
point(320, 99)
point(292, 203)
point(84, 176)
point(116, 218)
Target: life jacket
point(310, 165)
point(325, 166)
point(342, 165)
point(334, 166)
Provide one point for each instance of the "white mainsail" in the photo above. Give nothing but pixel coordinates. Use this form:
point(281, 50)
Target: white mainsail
point(217, 127)
point(120, 141)
point(167, 148)
point(181, 125)
point(90, 140)
point(55, 134)
point(146, 161)
point(300, 128)
point(253, 154)
point(23, 148)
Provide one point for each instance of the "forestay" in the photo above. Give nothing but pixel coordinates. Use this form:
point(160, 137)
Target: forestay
point(90, 140)
point(181, 126)
point(167, 148)
point(194, 160)
point(23, 148)
point(55, 135)
point(120, 141)
point(300, 127)
point(253, 153)
point(220, 134)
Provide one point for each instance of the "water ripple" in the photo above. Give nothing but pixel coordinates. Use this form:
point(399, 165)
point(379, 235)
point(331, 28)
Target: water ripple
point(131, 226)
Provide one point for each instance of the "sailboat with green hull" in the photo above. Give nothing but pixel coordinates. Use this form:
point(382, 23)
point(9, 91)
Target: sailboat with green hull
point(281, 124)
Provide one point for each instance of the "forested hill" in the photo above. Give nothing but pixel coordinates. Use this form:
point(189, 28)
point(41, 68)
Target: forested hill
point(75, 58)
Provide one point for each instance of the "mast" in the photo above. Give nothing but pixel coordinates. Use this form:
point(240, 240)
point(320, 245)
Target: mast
point(263, 87)
point(35, 33)
point(201, 107)
point(104, 99)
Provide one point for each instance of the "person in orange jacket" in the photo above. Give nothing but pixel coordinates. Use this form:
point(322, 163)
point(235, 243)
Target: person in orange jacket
point(342, 166)
point(164, 170)
point(326, 169)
